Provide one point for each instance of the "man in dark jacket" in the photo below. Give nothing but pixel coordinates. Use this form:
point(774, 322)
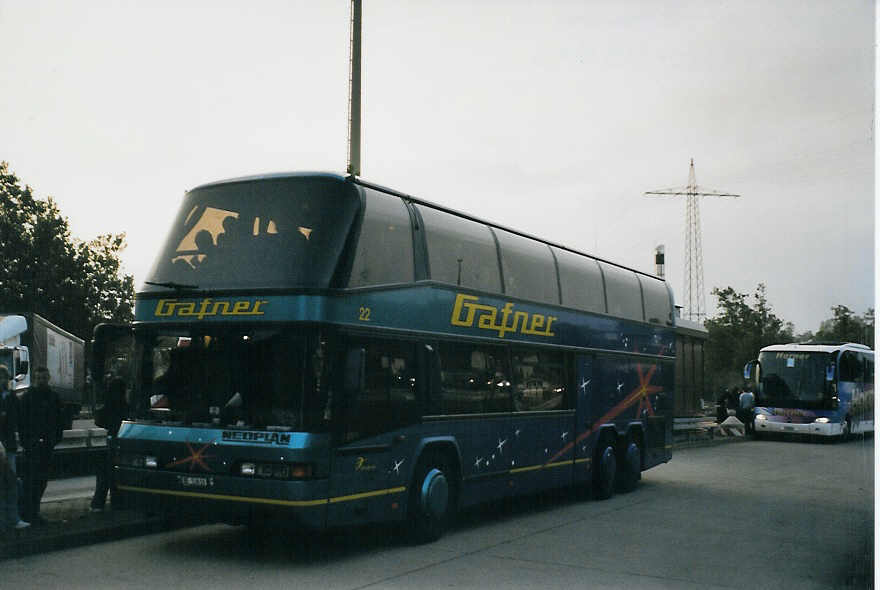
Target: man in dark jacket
point(108, 416)
point(40, 428)
point(8, 479)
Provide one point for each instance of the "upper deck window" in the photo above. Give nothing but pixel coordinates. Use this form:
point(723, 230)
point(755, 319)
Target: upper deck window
point(623, 292)
point(269, 232)
point(384, 253)
point(581, 281)
point(529, 270)
point(658, 305)
point(460, 251)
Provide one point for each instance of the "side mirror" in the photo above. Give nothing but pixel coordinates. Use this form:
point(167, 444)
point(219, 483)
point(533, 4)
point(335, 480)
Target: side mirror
point(748, 369)
point(108, 340)
point(355, 364)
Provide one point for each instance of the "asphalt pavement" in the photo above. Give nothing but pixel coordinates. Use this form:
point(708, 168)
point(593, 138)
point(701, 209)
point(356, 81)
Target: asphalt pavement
point(70, 523)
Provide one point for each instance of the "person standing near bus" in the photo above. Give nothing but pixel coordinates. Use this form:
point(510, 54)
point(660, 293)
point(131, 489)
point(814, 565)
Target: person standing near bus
point(108, 416)
point(746, 412)
point(9, 444)
point(41, 428)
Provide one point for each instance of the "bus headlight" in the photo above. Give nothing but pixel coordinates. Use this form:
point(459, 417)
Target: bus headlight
point(151, 462)
point(276, 470)
point(760, 417)
point(822, 420)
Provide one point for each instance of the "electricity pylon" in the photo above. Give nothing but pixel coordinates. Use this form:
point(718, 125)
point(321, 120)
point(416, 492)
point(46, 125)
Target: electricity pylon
point(694, 296)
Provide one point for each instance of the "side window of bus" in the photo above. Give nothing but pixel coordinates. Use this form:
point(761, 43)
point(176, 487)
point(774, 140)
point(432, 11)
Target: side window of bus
point(384, 252)
point(539, 380)
point(851, 367)
point(869, 368)
point(474, 379)
point(389, 398)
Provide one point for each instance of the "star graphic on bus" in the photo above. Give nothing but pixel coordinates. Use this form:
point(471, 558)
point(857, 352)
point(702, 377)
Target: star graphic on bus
point(501, 444)
point(397, 464)
point(644, 390)
point(584, 385)
point(196, 457)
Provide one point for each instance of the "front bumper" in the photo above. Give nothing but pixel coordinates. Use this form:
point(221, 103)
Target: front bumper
point(218, 498)
point(812, 428)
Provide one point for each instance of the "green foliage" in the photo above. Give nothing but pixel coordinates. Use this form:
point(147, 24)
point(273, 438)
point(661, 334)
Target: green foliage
point(738, 332)
point(72, 283)
point(845, 326)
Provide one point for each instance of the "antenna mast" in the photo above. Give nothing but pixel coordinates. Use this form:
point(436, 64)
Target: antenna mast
point(354, 91)
point(694, 296)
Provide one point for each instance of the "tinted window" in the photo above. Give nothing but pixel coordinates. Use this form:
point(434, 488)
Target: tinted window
point(869, 368)
point(460, 251)
point(581, 281)
point(539, 380)
point(658, 305)
point(384, 252)
point(474, 378)
point(276, 232)
point(529, 271)
point(389, 398)
point(623, 292)
point(851, 367)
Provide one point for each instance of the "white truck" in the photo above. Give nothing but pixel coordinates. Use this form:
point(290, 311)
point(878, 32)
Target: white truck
point(28, 341)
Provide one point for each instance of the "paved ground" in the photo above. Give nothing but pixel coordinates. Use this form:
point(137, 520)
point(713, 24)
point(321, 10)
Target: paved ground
point(760, 514)
point(66, 506)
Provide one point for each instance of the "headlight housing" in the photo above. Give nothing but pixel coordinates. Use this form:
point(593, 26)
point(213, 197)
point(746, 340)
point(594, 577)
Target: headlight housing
point(822, 420)
point(760, 417)
point(276, 470)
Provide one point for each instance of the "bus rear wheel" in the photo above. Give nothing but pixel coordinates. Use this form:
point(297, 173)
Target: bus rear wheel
point(630, 467)
point(431, 499)
point(847, 430)
point(605, 471)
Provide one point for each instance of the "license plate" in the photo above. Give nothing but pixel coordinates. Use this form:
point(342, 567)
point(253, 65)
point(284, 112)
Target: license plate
point(190, 481)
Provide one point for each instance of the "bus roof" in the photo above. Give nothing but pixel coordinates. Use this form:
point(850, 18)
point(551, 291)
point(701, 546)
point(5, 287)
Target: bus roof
point(408, 197)
point(815, 347)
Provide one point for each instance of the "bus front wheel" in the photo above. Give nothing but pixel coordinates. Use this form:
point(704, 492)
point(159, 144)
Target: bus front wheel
point(605, 471)
point(431, 499)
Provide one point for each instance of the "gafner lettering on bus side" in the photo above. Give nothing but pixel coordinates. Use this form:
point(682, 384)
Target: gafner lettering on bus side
point(467, 312)
point(208, 307)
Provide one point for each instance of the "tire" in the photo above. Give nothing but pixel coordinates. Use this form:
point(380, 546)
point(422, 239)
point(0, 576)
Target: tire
point(630, 467)
point(847, 431)
point(432, 498)
point(605, 471)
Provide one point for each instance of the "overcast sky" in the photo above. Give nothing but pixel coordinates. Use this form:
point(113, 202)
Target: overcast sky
point(552, 118)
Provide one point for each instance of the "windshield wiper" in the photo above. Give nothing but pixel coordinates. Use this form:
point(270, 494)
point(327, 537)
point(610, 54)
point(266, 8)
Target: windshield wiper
point(172, 285)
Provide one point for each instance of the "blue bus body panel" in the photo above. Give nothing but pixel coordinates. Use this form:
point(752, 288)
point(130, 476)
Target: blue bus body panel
point(415, 309)
point(623, 372)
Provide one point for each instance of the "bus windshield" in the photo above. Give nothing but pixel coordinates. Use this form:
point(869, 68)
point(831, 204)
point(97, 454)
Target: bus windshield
point(257, 378)
point(794, 379)
point(283, 232)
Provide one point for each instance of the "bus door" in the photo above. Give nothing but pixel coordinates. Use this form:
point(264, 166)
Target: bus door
point(585, 386)
point(370, 463)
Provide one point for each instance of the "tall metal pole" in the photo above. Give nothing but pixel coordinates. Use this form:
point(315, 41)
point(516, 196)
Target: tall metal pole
point(694, 296)
point(354, 91)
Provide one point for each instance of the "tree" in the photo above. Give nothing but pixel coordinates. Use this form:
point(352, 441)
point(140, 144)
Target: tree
point(72, 283)
point(738, 332)
point(845, 326)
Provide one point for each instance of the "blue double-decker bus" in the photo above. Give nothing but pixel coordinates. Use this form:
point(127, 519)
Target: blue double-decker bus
point(817, 389)
point(322, 351)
